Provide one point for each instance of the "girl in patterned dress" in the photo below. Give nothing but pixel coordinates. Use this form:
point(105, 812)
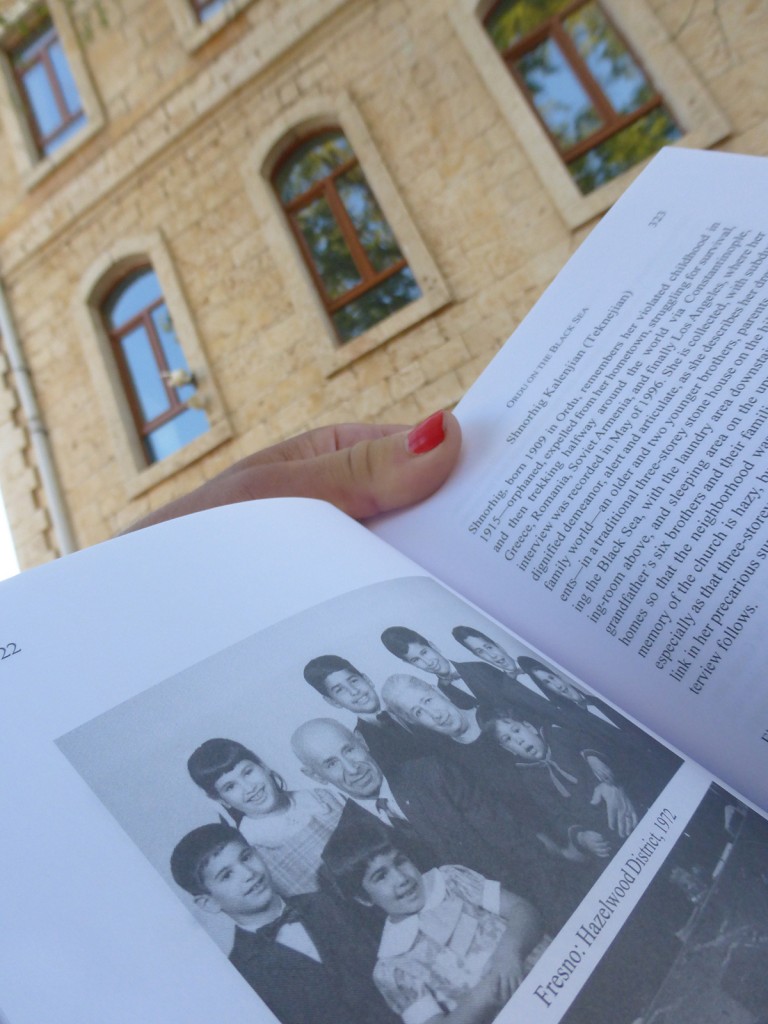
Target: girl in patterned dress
point(289, 828)
point(455, 945)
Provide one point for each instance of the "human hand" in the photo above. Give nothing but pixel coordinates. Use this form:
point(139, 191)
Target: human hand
point(594, 843)
point(495, 990)
point(601, 771)
point(507, 967)
point(622, 816)
point(361, 468)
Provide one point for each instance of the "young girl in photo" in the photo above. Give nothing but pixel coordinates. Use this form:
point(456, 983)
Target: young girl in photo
point(455, 945)
point(289, 828)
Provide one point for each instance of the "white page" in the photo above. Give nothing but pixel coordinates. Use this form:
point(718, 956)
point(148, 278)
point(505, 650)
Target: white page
point(654, 528)
point(122, 659)
point(90, 932)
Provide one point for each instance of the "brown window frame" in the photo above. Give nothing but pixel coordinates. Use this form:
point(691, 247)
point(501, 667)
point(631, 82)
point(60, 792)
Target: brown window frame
point(370, 278)
point(47, 35)
point(144, 319)
point(552, 28)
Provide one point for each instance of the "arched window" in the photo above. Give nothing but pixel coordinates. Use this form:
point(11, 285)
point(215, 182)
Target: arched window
point(157, 380)
point(595, 101)
point(352, 254)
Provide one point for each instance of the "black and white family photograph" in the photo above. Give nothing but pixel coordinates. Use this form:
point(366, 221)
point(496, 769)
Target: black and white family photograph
point(381, 809)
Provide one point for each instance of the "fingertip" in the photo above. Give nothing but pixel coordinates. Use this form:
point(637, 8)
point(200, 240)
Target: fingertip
point(417, 463)
point(440, 433)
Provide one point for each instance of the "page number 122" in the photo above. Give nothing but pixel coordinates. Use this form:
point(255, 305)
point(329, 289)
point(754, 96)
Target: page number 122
point(8, 650)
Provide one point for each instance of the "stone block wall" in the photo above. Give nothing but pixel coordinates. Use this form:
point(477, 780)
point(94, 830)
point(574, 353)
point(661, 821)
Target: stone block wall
point(173, 156)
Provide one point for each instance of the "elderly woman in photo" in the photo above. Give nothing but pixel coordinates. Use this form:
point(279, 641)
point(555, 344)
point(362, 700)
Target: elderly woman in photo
point(417, 703)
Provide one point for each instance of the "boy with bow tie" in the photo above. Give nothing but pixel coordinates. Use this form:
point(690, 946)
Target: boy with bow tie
point(302, 955)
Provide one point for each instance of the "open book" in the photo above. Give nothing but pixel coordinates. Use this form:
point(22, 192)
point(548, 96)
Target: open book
point(541, 693)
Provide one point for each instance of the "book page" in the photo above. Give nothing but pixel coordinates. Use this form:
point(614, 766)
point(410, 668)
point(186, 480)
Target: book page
point(89, 931)
point(204, 722)
point(612, 500)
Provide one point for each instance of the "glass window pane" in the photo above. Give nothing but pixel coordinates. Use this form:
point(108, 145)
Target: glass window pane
point(372, 229)
point(205, 10)
point(376, 304)
point(64, 77)
point(330, 253)
point(41, 99)
point(558, 95)
point(510, 20)
point(174, 434)
point(145, 374)
point(138, 291)
point(61, 136)
point(624, 149)
point(172, 350)
point(607, 58)
point(311, 162)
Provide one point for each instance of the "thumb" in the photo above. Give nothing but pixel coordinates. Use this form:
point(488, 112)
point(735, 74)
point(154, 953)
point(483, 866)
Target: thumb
point(378, 474)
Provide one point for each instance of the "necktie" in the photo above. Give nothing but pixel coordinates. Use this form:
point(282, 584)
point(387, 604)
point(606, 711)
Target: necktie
point(384, 809)
point(290, 915)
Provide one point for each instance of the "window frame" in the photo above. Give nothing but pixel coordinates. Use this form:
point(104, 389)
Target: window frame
point(106, 273)
point(292, 127)
point(326, 188)
point(194, 30)
point(272, 37)
point(18, 121)
point(145, 320)
point(552, 28)
point(41, 56)
point(689, 102)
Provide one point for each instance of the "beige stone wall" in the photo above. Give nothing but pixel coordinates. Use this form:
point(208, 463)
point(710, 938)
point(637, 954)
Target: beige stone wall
point(27, 513)
point(174, 155)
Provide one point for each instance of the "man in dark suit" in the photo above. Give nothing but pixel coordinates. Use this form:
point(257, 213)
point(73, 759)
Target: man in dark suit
point(344, 686)
point(639, 760)
point(494, 678)
point(442, 806)
point(302, 956)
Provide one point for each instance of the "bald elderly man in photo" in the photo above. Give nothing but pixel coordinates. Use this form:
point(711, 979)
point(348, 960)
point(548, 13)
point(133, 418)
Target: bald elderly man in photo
point(435, 804)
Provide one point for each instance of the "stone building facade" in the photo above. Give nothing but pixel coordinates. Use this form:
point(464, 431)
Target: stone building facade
point(186, 110)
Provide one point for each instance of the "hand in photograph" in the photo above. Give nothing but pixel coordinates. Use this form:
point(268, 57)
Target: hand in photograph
point(622, 816)
point(594, 843)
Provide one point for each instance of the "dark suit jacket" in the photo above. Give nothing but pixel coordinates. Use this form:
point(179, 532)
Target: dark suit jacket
point(641, 764)
point(389, 742)
point(455, 694)
point(495, 689)
point(464, 824)
point(296, 988)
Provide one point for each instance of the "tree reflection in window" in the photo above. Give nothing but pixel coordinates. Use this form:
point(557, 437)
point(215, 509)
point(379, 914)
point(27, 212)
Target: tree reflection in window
point(597, 104)
point(352, 254)
point(146, 349)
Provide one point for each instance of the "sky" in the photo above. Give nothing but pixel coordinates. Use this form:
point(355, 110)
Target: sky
point(8, 564)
